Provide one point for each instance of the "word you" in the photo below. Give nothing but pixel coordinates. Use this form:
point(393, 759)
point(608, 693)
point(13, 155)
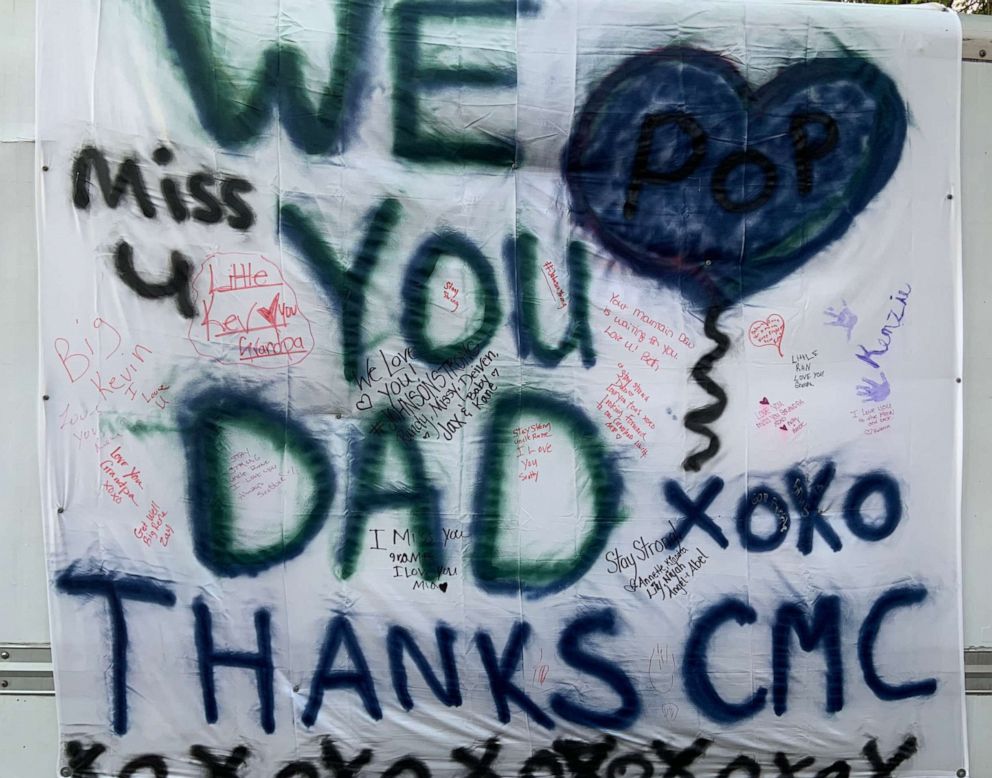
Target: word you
point(768, 332)
point(250, 315)
point(564, 758)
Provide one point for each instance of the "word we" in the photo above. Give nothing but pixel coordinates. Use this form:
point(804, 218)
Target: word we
point(235, 117)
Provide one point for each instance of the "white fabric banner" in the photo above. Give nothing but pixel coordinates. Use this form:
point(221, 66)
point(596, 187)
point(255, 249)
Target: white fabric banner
point(502, 387)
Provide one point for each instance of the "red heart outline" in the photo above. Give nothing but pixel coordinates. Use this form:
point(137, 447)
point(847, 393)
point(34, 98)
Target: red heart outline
point(768, 332)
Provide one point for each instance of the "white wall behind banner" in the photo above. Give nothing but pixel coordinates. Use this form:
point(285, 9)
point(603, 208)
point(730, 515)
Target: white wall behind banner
point(29, 631)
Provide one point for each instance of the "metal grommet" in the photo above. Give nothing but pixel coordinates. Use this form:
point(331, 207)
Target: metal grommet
point(296, 687)
point(60, 510)
point(44, 168)
point(45, 397)
point(950, 197)
point(957, 380)
point(961, 773)
point(65, 772)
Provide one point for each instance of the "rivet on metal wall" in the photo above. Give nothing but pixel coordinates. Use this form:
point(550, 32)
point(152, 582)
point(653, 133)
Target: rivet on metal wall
point(981, 53)
point(961, 773)
point(4, 684)
point(4, 655)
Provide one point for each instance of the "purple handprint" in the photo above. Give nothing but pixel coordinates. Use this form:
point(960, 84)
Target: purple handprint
point(874, 391)
point(844, 318)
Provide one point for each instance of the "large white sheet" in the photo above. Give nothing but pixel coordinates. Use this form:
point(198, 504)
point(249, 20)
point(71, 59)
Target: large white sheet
point(497, 388)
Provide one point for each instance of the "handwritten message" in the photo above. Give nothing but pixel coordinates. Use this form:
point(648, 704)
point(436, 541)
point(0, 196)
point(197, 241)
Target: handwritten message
point(623, 407)
point(426, 403)
point(247, 313)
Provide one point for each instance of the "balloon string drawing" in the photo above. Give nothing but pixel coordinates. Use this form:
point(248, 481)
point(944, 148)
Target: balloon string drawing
point(699, 419)
point(682, 171)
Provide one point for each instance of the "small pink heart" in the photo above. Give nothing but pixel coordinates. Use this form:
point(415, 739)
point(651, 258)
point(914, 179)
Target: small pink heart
point(768, 332)
point(763, 401)
point(784, 428)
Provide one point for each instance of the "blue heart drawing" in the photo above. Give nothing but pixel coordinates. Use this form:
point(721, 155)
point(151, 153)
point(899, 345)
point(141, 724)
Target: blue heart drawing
point(684, 172)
